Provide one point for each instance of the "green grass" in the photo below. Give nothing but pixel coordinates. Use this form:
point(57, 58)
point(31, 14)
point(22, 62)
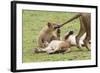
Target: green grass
point(34, 21)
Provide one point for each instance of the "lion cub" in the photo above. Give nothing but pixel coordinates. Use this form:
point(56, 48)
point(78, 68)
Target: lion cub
point(47, 34)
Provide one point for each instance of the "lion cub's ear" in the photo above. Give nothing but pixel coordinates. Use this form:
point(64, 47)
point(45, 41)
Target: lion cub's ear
point(49, 24)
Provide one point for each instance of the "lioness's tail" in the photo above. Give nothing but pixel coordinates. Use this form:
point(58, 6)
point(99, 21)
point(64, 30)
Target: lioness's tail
point(75, 17)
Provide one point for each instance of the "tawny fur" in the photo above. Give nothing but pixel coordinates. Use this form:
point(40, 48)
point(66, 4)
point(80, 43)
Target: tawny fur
point(57, 46)
point(47, 34)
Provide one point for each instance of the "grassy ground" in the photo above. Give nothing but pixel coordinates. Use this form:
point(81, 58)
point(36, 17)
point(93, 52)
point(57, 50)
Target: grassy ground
point(34, 21)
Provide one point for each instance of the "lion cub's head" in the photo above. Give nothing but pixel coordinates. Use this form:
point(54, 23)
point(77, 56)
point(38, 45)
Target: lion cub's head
point(51, 26)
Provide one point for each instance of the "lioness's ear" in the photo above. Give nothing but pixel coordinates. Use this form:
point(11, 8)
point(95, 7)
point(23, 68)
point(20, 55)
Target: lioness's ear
point(49, 24)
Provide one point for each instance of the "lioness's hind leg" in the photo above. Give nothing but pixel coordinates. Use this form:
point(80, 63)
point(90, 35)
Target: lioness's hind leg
point(80, 34)
point(86, 42)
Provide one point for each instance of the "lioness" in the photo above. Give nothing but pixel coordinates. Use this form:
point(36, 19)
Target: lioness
point(85, 27)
